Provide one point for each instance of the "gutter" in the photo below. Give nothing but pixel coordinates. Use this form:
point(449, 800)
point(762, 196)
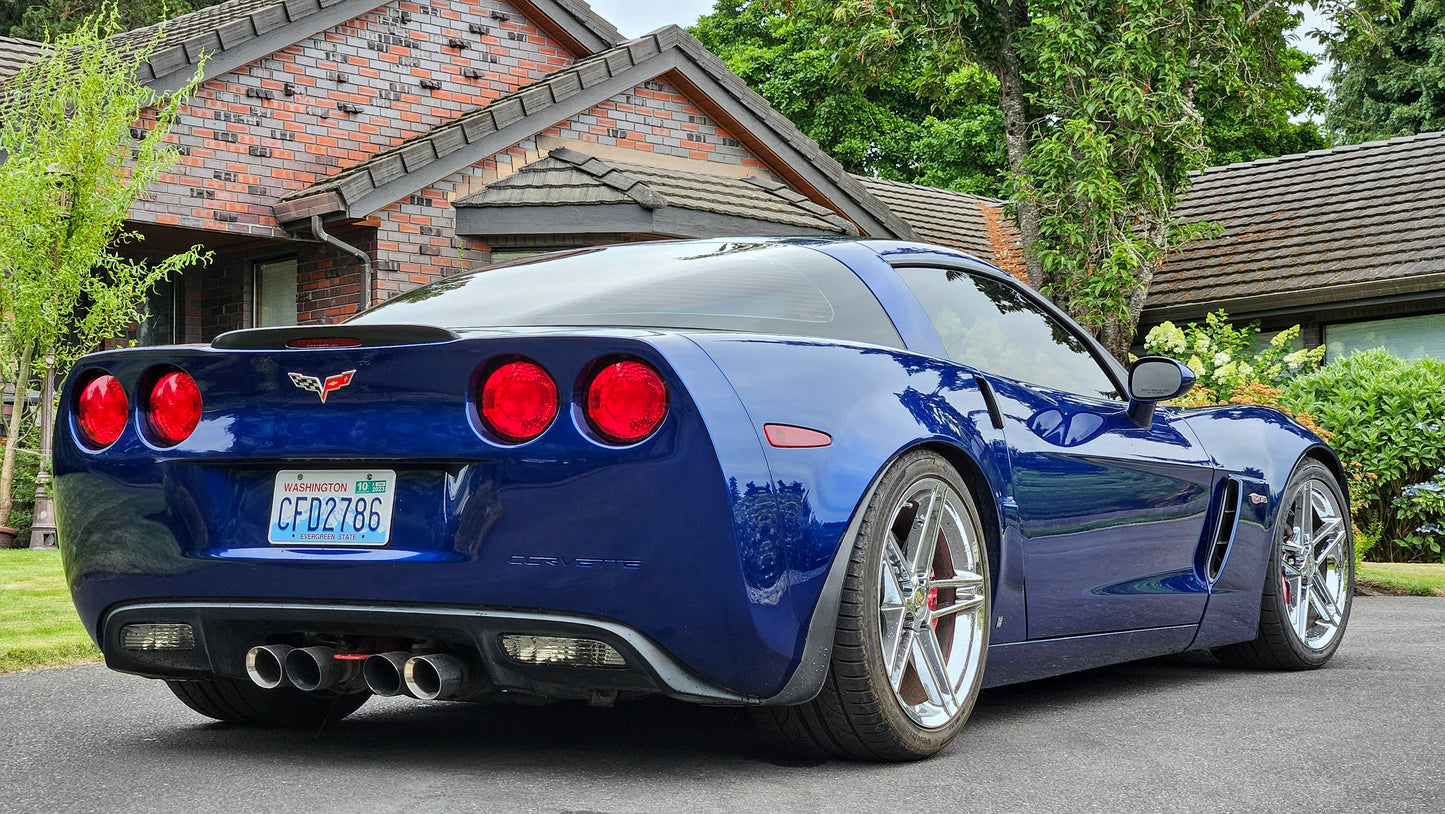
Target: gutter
point(320, 233)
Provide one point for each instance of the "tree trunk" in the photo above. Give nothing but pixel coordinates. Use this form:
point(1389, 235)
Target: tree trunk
point(1118, 334)
point(1013, 16)
point(12, 435)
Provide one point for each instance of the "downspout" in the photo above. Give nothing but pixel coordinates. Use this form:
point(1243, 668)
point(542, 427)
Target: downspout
point(320, 234)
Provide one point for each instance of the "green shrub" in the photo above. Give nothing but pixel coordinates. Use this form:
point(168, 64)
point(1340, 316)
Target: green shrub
point(1386, 415)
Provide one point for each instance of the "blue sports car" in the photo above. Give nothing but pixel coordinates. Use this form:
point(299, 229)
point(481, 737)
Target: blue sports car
point(847, 483)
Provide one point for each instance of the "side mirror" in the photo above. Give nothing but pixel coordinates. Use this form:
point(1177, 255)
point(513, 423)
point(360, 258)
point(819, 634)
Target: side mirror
point(1154, 379)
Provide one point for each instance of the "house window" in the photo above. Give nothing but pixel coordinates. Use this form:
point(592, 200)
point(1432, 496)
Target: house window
point(1406, 337)
point(159, 325)
point(276, 293)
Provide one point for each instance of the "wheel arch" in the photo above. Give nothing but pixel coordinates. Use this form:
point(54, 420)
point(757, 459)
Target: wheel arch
point(979, 489)
point(1324, 455)
point(807, 679)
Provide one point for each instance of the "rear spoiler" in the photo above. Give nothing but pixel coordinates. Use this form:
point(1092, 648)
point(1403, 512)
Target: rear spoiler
point(298, 337)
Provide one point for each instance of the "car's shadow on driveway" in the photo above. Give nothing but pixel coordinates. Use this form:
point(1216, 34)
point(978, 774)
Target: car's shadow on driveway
point(652, 734)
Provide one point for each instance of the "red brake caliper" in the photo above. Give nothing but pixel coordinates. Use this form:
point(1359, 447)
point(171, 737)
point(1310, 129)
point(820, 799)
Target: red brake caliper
point(932, 597)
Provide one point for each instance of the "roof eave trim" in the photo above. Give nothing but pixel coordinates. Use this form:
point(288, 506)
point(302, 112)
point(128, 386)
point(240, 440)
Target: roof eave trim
point(498, 140)
point(1347, 295)
point(173, 65)
point(616, 218)
point(580, 36)
point(276, 27)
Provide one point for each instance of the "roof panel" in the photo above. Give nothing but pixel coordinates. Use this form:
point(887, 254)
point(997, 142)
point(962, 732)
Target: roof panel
point(1362, 213)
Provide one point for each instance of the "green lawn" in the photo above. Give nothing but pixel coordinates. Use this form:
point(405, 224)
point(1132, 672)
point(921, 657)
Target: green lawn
point(38, 625)
point(1421, 579)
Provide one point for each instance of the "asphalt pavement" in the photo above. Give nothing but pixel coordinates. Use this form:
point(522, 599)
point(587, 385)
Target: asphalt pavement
point(1176, 734)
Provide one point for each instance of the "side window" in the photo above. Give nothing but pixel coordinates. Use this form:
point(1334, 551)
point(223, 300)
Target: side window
point(993, 326)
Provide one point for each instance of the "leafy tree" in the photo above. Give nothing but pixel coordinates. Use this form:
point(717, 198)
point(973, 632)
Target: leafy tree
point(43, 21)
point(950, 133)
point(907, 126)
point(1389, 74)
point(75, 159)
point(1103, 108)
point(1275, 120)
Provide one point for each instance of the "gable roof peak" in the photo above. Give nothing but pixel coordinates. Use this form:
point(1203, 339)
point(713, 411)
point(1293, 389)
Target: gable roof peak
point(568, 177)
point(238, 32)
point(669, 53)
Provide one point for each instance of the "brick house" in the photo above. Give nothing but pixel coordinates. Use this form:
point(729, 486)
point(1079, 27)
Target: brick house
point(340, 151)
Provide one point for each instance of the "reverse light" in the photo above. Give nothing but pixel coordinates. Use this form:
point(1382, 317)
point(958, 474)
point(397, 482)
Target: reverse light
point(561, 651)
point(626, 401)
point(518, 401)
point(173, 409)
point(158, 636)
point(101, 409)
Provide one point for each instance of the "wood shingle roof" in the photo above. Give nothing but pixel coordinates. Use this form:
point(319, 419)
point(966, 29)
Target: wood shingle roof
point(1324, 226)
point(14, 53)
point(568, 177)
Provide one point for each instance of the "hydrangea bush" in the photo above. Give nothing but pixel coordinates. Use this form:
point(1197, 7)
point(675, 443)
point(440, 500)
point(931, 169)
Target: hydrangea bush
point(1228, 370)
point(1386, 415)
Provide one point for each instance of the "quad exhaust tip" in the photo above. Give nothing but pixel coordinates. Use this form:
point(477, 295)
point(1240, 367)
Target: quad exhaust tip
point(383, 673)
point(317, 668)
point(439, 677)
point(266, 665)
point(431, 677)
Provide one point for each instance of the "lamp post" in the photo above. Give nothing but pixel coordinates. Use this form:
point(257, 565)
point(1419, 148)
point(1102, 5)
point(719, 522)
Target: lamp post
point(42, 528)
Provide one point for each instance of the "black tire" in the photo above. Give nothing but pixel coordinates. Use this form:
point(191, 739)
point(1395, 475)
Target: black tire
point(1279, 645)
point(858, 714)
point(238, 701)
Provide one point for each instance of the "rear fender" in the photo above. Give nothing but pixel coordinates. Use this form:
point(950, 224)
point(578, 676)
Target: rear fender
point(795, 529)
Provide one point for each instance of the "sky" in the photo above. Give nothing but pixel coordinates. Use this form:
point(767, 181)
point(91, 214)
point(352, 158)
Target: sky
point(634, 19)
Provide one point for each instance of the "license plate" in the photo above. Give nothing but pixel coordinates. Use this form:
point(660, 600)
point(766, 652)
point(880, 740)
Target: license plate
point(332, 507)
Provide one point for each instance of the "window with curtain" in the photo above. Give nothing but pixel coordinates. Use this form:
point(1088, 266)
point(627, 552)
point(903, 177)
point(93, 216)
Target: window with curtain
point(276, 293)
point(1407, 337)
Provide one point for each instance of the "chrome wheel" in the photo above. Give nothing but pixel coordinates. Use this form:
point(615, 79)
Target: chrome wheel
point(932, 603)
point(1315, 564)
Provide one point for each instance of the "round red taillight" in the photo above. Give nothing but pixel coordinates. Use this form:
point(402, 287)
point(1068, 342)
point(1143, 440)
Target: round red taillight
point(626, 402)
point(519, 401)
point(101, 410)
point(174, 408)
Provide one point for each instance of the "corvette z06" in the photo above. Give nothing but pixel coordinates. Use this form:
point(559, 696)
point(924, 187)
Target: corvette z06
point(848, 484)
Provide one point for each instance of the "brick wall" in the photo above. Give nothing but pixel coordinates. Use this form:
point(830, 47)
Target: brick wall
point(655, 117)
point(278, 124)
point(224, 298)
point(330, 280)
point(302, 114)
point(417, 243)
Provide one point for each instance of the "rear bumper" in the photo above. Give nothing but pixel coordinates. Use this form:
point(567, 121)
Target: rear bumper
point(224, 631)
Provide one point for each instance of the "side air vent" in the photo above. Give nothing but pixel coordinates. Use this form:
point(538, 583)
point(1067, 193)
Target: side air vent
point(331, 336)
point(1224, 532)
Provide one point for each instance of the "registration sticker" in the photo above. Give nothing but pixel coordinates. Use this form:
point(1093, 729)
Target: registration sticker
point(332, 507)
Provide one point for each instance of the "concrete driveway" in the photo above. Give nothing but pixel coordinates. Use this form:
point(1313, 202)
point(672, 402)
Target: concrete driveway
point(1177, 734)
